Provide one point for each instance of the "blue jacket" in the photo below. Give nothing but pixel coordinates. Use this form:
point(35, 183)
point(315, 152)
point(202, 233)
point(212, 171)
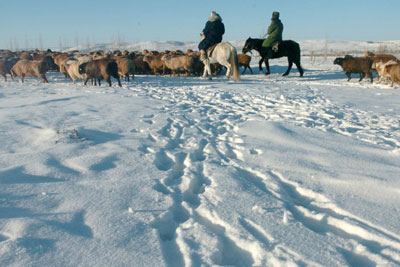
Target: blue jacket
point(213, 32)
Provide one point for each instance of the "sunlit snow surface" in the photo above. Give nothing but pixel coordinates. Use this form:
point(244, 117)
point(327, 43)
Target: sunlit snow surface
point(181, 171)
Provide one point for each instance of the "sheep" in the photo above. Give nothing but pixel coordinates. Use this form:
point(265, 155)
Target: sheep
point(72, 68)
point(25, 56)
point(126, 66)
point(379, 58)
point(175, 63)
point(351, 65)
point(244, 60)
point(394, 71)
point(30, 68)
point(59, 59)
point(155, 63)
point(380, 70)
point(49, 59)
point(141, 67)
point(6, 65)
point(83, 58)
point(100, 69)
point(7, 54)
point(198, 66)
point(102, 56)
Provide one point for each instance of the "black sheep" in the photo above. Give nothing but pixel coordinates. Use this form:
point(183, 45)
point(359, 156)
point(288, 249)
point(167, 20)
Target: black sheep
point(100, 69)
point(352, 64)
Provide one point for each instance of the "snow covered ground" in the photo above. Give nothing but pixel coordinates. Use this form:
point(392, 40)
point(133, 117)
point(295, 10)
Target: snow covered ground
point(169, 171)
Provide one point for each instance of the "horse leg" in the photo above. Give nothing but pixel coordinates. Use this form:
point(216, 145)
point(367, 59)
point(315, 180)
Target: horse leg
point(267, 66)
point(207, 69)
point(228, 70)
point(260, 65)
point(251, 71)
point(227, 65)
point(289, 67)
point(299, 68)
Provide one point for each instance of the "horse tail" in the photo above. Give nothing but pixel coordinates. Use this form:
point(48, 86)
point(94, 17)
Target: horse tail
point(234, 65)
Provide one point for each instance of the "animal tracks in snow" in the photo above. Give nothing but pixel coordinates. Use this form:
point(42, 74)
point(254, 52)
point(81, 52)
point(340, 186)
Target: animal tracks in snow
point(202, 133)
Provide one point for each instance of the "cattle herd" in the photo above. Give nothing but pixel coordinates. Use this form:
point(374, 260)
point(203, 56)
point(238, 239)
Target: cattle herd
point(100, 65)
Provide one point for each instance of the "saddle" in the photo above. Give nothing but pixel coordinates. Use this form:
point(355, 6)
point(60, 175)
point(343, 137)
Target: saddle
point(210, 50)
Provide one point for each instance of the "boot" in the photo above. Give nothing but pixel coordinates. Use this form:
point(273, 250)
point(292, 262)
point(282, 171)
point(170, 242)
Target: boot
point(203, 55)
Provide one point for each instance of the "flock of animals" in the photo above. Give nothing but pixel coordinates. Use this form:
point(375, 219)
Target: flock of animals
point(99, 65)
point(386, 66)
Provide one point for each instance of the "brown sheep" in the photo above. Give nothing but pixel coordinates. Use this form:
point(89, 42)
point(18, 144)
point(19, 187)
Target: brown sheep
point(25, 56)
point(244, 61)
point(154, 53)
point(59, 60)
point(141, 67)
point(198, 66)
point(72, 68)
point(361, 65)
point(49, 59)
point(380, 70)
point(126, 66)
point(30, 68)
point(176, 63)
point(379, 58)
point(155, 63)
point(100, 69)
point(6, 65)
point(394, 71)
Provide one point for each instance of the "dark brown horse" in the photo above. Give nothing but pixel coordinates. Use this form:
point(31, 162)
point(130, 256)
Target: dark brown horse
point(287, 48)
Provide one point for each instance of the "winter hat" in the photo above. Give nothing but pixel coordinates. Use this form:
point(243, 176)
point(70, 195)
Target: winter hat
point(214, 16)
point(275, 15)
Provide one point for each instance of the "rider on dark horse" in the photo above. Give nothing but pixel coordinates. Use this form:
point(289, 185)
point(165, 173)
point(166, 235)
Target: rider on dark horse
point(212, 34)
point(274, 33)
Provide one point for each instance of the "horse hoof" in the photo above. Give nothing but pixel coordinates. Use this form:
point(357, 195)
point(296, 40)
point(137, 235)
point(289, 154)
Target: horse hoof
point(266, 74)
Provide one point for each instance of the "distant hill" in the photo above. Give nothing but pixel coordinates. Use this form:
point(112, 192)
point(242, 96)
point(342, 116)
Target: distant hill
point(308, 47)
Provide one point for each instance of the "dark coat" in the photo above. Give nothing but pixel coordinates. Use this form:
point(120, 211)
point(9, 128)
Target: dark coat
point(213, 32)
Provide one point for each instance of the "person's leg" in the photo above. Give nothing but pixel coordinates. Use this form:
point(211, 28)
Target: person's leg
point(203, 45)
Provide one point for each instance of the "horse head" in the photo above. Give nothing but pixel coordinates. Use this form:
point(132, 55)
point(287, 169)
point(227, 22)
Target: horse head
point(248, 46)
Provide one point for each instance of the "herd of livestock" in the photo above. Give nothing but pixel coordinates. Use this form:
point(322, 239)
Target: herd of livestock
point(99, 65)
point(386, 66)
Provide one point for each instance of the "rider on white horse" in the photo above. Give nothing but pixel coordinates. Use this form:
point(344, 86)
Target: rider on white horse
point(212, 34)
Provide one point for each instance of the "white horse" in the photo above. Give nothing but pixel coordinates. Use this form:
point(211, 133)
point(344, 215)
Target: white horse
point(226, 55)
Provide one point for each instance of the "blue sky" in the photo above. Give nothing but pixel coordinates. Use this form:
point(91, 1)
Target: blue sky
point(45, 23)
